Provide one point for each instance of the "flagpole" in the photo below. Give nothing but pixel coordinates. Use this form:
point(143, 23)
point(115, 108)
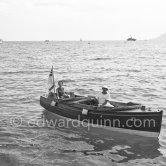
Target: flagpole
point(53, 78)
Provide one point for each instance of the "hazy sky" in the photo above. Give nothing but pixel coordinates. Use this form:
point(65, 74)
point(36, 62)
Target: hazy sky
point(86, 19)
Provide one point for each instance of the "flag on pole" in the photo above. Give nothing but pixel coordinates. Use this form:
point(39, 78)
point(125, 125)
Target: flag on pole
point(51, 83)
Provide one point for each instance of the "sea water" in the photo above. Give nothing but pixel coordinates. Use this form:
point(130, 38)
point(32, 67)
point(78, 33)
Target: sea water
point(133, 71)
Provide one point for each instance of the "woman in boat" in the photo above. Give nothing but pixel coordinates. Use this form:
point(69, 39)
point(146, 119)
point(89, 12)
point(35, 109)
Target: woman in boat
point(103, 97)
point(60, 90)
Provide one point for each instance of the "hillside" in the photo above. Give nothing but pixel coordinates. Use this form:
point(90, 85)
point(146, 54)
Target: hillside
point(161, 37)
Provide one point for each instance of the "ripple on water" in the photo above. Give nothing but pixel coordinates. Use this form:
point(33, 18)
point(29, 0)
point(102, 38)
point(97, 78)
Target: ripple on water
point(133, 72)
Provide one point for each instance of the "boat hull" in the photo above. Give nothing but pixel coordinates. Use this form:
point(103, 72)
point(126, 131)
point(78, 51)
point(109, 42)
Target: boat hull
point(139, 123)
point(131, 39)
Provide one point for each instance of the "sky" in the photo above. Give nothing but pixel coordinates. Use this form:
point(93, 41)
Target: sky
point(28, 20)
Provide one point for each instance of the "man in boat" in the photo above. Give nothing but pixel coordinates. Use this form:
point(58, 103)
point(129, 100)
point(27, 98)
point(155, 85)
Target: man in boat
point(103, 97)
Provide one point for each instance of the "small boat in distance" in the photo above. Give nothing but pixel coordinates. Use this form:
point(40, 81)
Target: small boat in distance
point(46, 41)
point(131, 39)
point(1, 41)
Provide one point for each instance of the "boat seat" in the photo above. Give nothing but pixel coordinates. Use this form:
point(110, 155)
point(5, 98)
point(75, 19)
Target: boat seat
point(87, 102)
point(80, 101)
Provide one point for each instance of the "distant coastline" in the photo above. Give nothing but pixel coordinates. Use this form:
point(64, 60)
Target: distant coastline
point(162, 37)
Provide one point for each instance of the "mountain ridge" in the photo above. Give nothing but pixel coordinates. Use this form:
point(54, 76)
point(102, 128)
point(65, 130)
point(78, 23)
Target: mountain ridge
point(161, 37)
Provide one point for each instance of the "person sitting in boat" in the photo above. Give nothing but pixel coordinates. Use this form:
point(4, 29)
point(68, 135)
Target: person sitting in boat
point(60, 90)
point(103, 97)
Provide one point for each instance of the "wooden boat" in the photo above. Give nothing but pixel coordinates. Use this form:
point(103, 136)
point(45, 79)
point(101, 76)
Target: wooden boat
point(129, 117)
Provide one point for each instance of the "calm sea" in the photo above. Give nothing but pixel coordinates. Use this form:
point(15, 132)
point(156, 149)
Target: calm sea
point(133, 71)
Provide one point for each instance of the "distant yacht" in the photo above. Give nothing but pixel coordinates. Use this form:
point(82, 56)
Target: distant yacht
point(46, 41)
point(131, 39)
point(1, 41)
point(80, 39)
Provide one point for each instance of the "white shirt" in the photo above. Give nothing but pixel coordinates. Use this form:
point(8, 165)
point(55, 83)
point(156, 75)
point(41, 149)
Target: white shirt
point(102, 97)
